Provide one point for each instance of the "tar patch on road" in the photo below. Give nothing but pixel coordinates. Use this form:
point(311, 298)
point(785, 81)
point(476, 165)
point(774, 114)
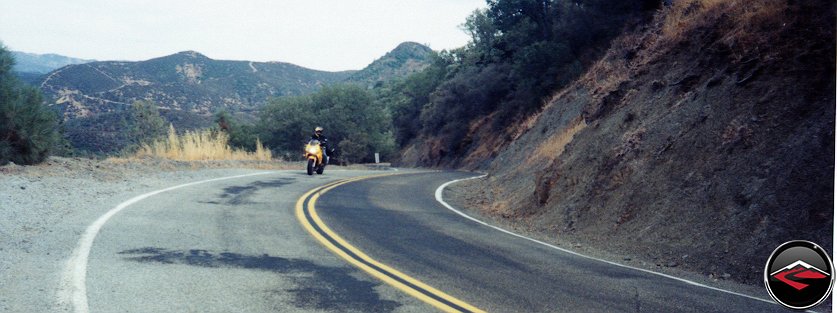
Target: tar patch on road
point(326, 288)
point(238, 195)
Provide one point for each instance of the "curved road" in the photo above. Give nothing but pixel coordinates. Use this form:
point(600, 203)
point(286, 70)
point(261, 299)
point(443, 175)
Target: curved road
point(398, 222)
point(237, 246)
point(228, 246)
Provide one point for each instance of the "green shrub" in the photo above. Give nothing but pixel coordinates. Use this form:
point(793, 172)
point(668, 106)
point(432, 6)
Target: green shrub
point(352, 151)
point(28, 128)
point(145, 122)
point(242, 136)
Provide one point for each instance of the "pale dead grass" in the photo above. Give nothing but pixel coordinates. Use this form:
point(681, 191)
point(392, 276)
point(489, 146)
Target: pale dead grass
point(554, 146)
point(203, 145)
point(487, 145)
point(609, 72)
point(742, 22)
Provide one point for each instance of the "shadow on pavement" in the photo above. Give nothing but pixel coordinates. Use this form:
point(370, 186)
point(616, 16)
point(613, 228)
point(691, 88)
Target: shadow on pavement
point(238, 195)
point(327, 288)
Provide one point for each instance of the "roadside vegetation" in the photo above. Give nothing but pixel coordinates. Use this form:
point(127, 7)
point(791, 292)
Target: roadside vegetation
point(148, 137)
point(520, 53)
point(202, 145)
point(356, 123)
point(28, 128)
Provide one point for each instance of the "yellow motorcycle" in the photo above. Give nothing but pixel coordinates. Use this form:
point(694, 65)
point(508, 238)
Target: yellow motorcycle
point(314, 155)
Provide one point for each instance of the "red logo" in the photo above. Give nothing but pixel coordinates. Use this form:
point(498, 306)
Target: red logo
point(799, 274)
point(796, 271)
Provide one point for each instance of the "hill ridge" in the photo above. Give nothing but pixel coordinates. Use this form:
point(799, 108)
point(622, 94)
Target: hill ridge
point(189, 87)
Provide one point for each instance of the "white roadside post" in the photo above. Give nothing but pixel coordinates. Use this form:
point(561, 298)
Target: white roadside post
point(377, 158)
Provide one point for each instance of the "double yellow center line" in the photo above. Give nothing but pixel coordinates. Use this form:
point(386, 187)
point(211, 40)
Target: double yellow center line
point(307, 214)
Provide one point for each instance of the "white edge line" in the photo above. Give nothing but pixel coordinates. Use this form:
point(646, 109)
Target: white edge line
point(442, 201)
point(72, 288)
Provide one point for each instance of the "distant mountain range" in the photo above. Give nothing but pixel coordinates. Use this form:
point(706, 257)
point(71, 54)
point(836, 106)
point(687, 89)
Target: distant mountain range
point(31, 67)
point(42, 63)
point(189, 87)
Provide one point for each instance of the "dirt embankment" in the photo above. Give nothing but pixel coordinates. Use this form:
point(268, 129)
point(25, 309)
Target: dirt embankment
point(702, 141)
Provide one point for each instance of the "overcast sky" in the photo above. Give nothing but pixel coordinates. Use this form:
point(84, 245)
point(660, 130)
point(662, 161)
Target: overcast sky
point(325, 35)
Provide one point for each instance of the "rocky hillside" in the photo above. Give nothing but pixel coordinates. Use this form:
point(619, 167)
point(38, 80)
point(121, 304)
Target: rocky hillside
point(703, 139)
point(187, 81)
point(407, 58)
point(191, 82)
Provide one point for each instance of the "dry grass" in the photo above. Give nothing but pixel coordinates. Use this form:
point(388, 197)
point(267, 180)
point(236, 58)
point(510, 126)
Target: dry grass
point(200, 146)
point(683, 16)
point(554, 146)
point(609, 72)
point(744, 24)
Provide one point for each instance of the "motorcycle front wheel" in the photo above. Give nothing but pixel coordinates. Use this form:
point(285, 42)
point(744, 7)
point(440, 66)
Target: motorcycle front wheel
point(310, 167)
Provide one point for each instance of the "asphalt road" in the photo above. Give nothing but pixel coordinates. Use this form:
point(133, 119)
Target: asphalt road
point(237, 246)
point(228, 246)
point(397, 221)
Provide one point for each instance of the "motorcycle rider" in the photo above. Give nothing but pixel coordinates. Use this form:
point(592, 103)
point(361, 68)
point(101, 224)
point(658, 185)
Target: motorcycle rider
point(318, 135)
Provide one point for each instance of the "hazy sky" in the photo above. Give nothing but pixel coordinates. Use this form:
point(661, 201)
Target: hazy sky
point(324, 35)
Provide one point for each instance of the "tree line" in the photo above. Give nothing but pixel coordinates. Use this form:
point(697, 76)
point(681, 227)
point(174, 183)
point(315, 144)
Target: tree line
point(520, 52)
point(356, 123)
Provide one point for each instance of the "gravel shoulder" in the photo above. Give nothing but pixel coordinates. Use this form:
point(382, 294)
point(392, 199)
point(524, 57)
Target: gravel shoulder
point(45, 208)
